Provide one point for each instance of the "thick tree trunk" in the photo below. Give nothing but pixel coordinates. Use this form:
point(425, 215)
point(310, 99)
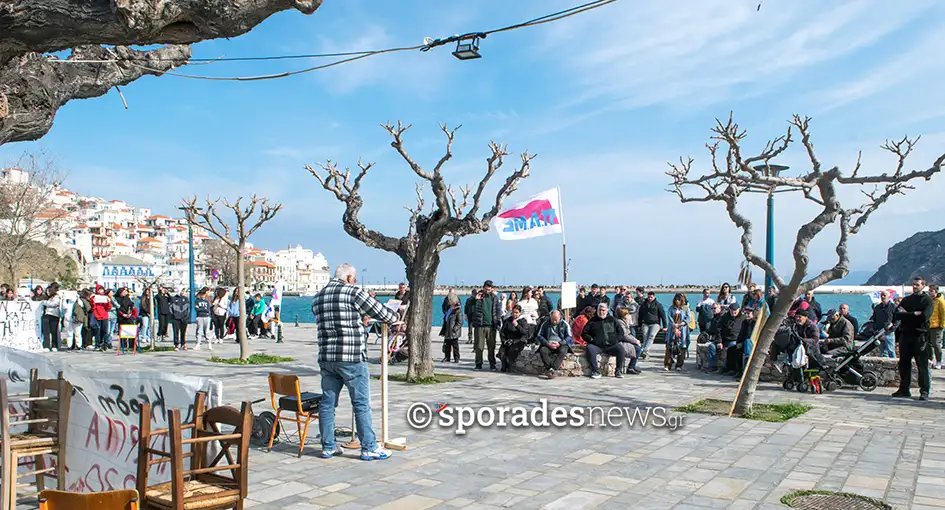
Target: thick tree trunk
point(762, 347)
point(422, 278)
point(241, 323)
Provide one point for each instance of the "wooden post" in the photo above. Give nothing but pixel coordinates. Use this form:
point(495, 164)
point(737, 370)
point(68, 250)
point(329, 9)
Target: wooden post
point(399, 443)
point(755, 334)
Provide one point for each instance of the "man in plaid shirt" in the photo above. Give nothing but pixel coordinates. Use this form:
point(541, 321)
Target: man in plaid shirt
point(341, 310)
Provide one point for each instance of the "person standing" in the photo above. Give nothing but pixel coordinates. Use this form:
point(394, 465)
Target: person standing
point(202, 307)
point(80, 321)
point(676, 332)
point(486, 321)
point(882, 319)
point(180, 318)
point(452, 327)
point(99, 321)
point(468, 309)
point(652, 319)
point(145, 316)
point(219, 309)
point(705, 310)
point(164, 313)
point(936, 323)
point(112, 315)
point(52, 316)
point(914, 313)
point(126, 314)
point(234, 311)
point(342, 310)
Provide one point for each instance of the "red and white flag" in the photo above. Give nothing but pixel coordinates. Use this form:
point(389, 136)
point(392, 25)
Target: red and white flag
point(536, 216)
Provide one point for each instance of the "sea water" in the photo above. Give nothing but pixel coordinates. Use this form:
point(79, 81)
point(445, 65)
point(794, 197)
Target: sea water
point(861, 306)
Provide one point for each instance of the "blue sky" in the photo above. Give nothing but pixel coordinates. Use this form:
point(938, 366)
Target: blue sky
point(605, 99)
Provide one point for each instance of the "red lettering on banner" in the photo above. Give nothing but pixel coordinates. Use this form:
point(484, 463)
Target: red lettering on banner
point(93, 431)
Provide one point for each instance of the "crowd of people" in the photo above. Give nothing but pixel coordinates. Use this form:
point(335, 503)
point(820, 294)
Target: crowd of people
point(627, 324)
point(95, 320)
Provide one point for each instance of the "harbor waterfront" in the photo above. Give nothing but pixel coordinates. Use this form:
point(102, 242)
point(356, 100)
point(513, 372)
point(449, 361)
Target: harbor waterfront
point(299, 308)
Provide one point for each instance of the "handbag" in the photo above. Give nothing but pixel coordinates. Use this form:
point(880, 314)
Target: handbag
point(692, 319)
point(799, 358)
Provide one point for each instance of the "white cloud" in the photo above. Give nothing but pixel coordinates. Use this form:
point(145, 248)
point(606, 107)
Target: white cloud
point(637, 54)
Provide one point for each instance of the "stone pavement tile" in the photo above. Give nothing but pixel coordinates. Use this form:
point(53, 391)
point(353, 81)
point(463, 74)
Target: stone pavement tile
point(931, 480)
point(698, 474)
point(596, 459)
point(412, 502)
point(723, 488)
point(577, 500)
point(921, 500)
point(791, 484)
point(704, 502)
point(333, 499)
point(868, 482)
point(280, 492)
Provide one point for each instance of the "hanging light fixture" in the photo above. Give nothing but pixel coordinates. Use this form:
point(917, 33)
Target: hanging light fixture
point(467, 47)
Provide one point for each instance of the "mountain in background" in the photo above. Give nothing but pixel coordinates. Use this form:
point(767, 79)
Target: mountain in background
point(923, 255)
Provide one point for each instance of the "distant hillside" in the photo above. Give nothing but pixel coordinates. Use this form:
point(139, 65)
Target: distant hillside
point(923, 255)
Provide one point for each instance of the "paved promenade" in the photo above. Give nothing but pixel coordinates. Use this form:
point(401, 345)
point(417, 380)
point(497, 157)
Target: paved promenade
point(865, 443)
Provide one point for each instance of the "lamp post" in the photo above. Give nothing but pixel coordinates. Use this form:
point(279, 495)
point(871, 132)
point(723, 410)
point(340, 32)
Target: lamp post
point(363, 281)
point(770, 171)
point(190, 268)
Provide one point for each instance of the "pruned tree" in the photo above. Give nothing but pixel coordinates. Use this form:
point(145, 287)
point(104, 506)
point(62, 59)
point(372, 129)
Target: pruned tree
point(734, 173)
point(35, 84)
point(453, 214)
point(218, 255)
point(27, 214)
point(248, 220)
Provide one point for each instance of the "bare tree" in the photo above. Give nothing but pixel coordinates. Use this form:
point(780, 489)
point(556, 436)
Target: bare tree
point(734, 173)
point(26, 212)
point(34, 84)
point(454, 213)
point(217, 255)
point(247, 223)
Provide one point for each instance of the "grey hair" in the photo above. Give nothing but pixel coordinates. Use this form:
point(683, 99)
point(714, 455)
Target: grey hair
point(556, 312)
point(344, 271)
point(602, 305)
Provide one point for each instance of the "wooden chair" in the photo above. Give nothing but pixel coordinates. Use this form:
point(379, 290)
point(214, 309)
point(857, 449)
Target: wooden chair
point(47, 419)
point(111, 500)
point(200, 487)
point(292, 400)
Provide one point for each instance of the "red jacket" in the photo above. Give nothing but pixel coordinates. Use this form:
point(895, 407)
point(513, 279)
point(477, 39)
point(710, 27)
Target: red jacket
point(100, 306)
point(577, 327)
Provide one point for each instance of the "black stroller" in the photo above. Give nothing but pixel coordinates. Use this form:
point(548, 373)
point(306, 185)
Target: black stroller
point(832, 373)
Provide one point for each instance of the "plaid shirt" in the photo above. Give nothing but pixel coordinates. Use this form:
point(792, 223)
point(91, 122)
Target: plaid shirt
point(338, 308)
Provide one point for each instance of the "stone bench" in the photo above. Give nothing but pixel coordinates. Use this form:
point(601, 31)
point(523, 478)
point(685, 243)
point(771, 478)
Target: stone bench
point(702, 356)
point(574, 365)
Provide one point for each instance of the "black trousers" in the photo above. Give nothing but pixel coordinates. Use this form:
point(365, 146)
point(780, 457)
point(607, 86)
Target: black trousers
point(50, 332)
point(509, 353)
point(614, 350)
point(219, 325)
point(180, 332)
point(915, 347)
point(163, 320)
point(552, 358)
point(451, 348)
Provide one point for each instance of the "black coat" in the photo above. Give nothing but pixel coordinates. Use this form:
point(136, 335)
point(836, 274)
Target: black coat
point(164, 304)
point(913, 324)
point(180, 308)
point(652, 313)
point(512, 333)
point(601, 332)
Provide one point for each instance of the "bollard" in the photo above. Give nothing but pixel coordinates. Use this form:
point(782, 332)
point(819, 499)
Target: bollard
point(279, 334)
point(296, 320)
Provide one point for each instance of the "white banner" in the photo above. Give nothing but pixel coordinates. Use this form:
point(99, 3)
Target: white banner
point(569, 295)
point(539, 215)
point(102, 440)
point(20, 325)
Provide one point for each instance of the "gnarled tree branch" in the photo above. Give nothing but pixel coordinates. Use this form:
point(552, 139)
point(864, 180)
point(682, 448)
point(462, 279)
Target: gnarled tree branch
point(52, 25)
point(36, 87)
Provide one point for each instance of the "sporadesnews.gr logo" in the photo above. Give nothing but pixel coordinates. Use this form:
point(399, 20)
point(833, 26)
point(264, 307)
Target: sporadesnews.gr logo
point(421, 415)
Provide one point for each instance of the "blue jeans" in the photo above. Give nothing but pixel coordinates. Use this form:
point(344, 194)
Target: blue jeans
point(888, 346)
point(749, 346)
point(112, 328)
point(712, 357)
point(354, 376)
point(100, 332)
point(144, 334)
point(649, 335)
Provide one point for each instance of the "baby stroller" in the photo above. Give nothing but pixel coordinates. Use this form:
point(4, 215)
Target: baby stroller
point(803, 367)
point(832, 373)
point(397, 348)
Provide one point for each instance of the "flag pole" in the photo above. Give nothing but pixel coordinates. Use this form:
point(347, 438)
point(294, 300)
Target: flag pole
point(564, 252)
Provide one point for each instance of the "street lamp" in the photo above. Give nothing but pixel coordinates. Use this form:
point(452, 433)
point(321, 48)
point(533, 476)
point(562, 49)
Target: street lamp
point(467, 47)
point(363, 281)
point(190, 263)
point(770, 171)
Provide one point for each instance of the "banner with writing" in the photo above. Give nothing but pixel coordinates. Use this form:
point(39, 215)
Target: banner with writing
point(539, 215)
point(20, 325)
point(102, 439)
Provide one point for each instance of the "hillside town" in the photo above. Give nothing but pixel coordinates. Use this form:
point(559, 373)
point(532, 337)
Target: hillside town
point(120, 245)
